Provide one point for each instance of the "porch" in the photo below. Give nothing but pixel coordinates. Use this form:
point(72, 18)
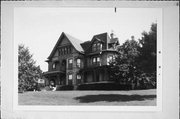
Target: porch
point(54, 78)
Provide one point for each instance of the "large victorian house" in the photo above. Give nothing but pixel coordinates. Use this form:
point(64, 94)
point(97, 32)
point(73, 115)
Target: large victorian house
point(73, 62)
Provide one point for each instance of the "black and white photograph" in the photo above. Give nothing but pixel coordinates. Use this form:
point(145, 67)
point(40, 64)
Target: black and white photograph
point(94, 59)
point(87, 56)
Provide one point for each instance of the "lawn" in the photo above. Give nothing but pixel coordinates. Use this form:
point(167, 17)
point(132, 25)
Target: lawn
point(126, 98)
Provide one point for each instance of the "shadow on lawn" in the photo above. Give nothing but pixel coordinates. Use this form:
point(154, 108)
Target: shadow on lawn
point(113, 98)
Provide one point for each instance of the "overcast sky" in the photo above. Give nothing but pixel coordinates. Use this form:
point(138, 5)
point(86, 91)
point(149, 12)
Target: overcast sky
point(40, 28)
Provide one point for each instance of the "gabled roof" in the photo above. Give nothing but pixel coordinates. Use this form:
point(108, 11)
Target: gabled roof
point(74, 41)
point(103, 37)
point(85, 45)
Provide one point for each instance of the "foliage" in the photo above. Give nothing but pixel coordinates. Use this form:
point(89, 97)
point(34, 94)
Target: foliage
point(147, 59)
point(28, 71)
point(135, 63)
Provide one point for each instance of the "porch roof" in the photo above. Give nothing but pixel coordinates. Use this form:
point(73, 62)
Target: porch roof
point(53, 72)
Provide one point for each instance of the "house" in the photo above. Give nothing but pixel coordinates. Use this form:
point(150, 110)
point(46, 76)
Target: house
point(73, 62)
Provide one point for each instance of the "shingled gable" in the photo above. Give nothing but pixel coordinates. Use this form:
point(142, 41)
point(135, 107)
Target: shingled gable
point(74, 41)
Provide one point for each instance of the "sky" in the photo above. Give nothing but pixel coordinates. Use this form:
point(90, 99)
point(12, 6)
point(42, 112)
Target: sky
point(39, 28)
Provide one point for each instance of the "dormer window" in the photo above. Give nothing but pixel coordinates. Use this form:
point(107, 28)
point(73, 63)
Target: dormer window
point(94, 47)
point(97, 47)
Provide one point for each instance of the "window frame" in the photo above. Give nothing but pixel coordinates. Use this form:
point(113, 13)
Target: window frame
point(78, 64)
point(70, 65)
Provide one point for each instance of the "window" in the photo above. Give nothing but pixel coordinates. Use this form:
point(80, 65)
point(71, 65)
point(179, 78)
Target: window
point(62, 52)
point(94, 47)
point(110, 59)
point(96, 61)
point(70, 77)
point(78, 76)
point(78, 63)
point(99, 46)
point(65, 50)
point(54, 66)
point(70, 64)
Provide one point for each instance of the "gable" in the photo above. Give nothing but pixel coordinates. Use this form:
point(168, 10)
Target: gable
point(64, 40)
point(98, 38)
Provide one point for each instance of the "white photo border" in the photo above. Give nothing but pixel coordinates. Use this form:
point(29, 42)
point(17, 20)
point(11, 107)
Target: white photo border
point(161, 103)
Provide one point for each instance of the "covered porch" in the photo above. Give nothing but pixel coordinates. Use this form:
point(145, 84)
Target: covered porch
point(95, 75)
point(54, 78)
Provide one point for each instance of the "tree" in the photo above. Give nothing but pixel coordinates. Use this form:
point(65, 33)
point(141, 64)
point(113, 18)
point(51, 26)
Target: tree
point(28, 71)
point(136, 62)
point(123, 69)
point(147, 59)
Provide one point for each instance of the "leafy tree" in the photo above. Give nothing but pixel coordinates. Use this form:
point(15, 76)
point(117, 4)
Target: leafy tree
point(136, 62)
point(147, 59)
point(123, 69)
point(28, 71)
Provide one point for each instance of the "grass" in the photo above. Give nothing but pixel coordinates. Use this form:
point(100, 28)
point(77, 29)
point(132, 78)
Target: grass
point(126, 98)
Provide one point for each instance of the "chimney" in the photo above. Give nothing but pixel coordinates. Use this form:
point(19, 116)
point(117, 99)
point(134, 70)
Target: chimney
point(132, 37)
point(112, 34)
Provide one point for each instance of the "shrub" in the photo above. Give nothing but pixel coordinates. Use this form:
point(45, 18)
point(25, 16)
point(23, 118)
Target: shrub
point(64, 87)
point(104, 86)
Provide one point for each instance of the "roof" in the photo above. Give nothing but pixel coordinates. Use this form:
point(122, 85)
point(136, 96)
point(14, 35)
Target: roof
point(100, 37)
point(74, 41)
point(85, 45)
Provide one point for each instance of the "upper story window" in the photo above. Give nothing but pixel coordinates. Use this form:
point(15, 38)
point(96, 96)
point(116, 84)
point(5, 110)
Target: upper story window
point(78, 62)
point(96, 61)
point(65, 50)
point(70, 63)
point(62, 51)
point(110, 59)
point(96, 47)
point(99, 46)
point(54, 66)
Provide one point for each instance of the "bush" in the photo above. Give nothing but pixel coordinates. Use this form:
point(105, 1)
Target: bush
point(64, 87)
point(104, 86)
